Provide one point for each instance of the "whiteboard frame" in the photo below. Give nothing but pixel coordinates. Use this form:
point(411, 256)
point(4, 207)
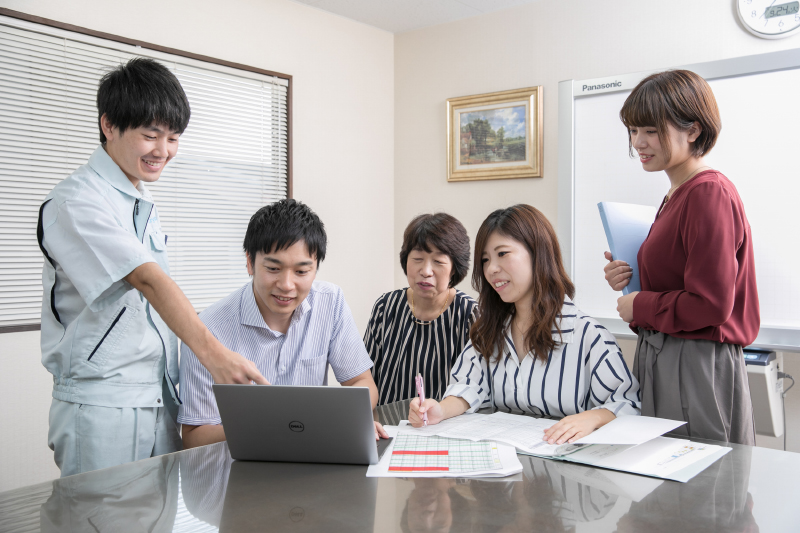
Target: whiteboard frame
point(784, 339)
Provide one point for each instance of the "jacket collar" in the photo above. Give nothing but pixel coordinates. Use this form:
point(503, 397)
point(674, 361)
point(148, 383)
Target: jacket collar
point(102, 163)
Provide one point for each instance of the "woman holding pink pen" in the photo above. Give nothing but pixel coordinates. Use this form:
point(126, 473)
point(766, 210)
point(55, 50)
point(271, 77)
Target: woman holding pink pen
point(531, 350)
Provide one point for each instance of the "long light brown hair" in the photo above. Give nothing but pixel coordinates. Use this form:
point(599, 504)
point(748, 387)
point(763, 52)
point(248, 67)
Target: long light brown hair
point(528, 226)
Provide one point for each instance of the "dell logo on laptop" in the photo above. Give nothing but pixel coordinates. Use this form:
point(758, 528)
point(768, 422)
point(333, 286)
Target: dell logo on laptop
point(296, 426)
point(297, 514)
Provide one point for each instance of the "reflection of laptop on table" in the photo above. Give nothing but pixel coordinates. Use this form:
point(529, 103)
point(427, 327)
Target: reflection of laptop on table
point(298, 498)
point(299, 424)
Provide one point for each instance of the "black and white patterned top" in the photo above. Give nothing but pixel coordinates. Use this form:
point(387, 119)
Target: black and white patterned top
point(400, 348)
point(584, 371)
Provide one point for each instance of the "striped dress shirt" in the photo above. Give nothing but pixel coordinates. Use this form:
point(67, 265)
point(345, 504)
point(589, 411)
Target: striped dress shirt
point(322, 332)
point(401, 348)
point(584, 371)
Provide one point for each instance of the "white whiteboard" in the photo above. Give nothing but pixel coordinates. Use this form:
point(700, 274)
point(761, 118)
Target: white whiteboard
point(758, 150)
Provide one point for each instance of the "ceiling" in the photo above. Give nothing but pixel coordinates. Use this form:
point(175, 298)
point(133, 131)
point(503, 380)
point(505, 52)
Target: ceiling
point(398, 16)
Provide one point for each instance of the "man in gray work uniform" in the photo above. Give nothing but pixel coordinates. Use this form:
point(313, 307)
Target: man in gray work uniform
point(110, 308)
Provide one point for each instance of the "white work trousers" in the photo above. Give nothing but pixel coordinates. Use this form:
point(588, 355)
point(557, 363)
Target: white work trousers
point(88, 437)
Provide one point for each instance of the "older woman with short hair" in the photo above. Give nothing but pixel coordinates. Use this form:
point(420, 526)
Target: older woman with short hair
point(423, 328)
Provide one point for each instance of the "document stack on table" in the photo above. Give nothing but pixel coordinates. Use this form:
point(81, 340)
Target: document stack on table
point(628, 444)
point(411, 455)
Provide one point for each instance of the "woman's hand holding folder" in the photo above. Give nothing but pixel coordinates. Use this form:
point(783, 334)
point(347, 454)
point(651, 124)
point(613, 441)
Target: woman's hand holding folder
point(618, 273)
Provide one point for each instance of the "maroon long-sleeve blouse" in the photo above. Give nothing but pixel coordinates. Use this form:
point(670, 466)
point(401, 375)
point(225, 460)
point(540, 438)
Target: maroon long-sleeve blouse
point(697, 268)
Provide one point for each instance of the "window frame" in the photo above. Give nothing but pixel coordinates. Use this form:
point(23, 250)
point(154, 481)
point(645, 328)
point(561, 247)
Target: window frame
point(167, 50)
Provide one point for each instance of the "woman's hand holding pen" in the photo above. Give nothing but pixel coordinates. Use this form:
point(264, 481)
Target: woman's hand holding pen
point(618, 273)
point(429, 406)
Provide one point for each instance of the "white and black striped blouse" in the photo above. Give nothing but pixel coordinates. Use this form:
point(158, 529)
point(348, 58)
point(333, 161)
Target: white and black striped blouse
point(400, 347)
point(584, 371)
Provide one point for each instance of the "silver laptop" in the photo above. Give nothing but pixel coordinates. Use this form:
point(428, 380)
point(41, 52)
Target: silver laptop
point(299, 424)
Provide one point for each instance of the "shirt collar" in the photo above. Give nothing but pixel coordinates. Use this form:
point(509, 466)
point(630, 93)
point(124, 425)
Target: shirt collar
point(102, 163)
point(249, 315)
point(566, 322)
point(144, 191)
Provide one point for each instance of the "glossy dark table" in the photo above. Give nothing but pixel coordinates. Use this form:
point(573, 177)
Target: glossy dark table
point(749, 490)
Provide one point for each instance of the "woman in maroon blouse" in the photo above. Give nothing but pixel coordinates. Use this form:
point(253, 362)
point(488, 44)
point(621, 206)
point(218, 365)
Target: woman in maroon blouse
point(698, 305)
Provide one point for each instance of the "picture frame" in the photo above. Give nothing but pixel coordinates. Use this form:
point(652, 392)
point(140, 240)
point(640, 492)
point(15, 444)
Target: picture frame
point(495, 135)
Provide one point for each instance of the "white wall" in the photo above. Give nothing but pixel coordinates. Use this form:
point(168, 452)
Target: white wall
point(541, 44)
point(536, 44)
point(25, 394)
point(343, 98)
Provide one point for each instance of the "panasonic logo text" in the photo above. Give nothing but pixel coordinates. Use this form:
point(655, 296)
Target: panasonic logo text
point(611, 85)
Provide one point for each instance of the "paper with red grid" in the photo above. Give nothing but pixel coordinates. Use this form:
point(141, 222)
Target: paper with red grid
point(413, 453)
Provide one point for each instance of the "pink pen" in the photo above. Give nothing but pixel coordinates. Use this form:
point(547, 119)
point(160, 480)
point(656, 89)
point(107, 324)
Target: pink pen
point(421, 394)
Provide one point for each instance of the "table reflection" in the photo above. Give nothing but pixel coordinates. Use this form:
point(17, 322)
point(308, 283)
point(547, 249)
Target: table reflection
point(717, 500)
point(438, 505)
point(204, 490)
point(250, 496)
point(204, 481)
point(550, 496)
point(134, 497)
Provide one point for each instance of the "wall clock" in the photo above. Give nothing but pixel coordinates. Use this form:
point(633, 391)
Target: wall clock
point(769, 19)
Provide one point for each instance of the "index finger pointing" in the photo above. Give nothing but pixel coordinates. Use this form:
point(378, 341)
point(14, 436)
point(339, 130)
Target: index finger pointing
point(258, 378)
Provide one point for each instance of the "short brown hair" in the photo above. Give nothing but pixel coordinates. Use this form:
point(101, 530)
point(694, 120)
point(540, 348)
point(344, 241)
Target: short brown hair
point(678, 97)
point(444, 232)
point(528, 226)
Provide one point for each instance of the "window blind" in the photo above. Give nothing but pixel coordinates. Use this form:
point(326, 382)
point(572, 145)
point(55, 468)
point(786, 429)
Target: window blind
point(232, 158)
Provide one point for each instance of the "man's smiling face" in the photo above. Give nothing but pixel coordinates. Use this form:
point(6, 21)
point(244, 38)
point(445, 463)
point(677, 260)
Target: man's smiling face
point(282, 279)
point(141, 153)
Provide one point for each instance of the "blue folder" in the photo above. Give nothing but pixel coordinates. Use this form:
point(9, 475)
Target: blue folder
point(627, 226)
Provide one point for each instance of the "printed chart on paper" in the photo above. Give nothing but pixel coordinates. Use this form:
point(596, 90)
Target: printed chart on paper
point(431, 454)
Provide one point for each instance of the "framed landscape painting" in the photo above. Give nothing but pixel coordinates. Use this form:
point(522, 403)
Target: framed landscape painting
point(495, 135)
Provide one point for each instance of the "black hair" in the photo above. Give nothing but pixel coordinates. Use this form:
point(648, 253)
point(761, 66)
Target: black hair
point(140, 93)
point(279, 225)
point(444, 232)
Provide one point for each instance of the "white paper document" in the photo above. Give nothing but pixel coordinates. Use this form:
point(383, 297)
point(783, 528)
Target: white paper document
point(630, 430)
point(628, 444)
point(527, 433)
point(523, 432)
point(662, 457)
point(433, 456)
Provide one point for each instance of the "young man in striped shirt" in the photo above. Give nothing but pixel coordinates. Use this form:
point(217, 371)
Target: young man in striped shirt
point(291, 326)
